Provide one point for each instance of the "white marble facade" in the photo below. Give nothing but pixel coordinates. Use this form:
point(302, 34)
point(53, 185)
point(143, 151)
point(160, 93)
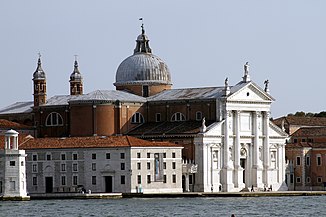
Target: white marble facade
point(244, 149)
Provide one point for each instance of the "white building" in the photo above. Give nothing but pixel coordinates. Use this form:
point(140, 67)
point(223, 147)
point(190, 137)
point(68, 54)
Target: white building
point(12, 169)
point(244, 149)
point(102, 164)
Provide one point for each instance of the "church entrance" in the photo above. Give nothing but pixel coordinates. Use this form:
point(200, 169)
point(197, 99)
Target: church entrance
point(243, 165)
point(108, 184)
point(48, 184)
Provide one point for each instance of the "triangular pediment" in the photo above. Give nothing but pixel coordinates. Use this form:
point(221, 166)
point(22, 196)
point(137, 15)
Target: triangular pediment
point(249, 92)
point(275, 131)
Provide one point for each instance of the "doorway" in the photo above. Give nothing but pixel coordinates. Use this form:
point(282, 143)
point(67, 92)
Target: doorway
point(243, 165)
point(48, 184)
point(108, 184)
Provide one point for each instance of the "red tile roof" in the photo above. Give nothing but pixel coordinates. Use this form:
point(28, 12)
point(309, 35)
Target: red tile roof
point(301, 121)
point(12, 125)
point(310, 132)
point(85, 142)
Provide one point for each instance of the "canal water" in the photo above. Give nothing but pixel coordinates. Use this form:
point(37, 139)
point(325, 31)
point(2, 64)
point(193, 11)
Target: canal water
point(240, 206)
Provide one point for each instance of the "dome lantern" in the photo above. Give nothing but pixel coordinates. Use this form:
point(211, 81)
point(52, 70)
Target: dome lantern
point(143, 73)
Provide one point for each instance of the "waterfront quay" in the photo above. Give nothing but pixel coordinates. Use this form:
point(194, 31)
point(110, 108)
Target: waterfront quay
point(172, 195)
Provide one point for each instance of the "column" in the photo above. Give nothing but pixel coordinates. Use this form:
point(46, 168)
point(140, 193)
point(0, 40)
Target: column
point(266, 159)
point(238, 170)
point(256, 177)
point(228, 184)
point(237, 140)
point(187, 182)
point(226, 141)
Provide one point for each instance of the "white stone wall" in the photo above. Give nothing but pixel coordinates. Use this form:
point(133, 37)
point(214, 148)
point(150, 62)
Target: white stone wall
point(103, 164)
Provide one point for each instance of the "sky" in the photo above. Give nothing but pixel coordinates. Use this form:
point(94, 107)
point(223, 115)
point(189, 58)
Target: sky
point(202, 42)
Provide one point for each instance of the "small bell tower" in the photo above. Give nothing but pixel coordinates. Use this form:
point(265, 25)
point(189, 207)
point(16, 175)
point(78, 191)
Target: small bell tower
point(39, 81)
point(76, 80)
point(13, 169)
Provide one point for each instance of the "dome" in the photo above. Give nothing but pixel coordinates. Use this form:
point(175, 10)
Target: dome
point(39, 74)
point(143, 67)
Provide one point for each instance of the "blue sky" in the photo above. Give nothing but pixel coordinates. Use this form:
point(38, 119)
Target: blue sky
point(203, 42)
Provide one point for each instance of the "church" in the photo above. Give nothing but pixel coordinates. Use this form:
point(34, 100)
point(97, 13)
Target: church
point(229, 143)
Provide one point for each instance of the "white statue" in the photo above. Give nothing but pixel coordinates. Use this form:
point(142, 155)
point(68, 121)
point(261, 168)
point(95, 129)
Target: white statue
point(246, 68)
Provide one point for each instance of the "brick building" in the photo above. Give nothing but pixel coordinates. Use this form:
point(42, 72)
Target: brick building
point(225, 130)
point(305, 152)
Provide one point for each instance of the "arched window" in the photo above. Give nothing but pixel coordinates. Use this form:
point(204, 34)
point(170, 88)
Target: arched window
point(54, 119)
point(178, 116)
point(137, 118)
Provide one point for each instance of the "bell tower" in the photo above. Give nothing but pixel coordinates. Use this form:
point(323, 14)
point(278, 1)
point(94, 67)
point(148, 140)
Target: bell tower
point(39, 81)
point(76, 80)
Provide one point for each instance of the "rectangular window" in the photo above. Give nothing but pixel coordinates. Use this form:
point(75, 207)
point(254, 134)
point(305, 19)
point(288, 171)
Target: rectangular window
point(94, 156)
point(138, 155)
point(108, 156)
point(74, 180)
point(164, 165)
point(122, 155)
point(34, 180)
point(298, 161)
point(34, 168)
point(75, 167)
point(291, 178)
point(164, 155)
point(148, 165)
point(308, 180)
point(298, 180)
point(173, 165)
point(190, 179)
point(318, 160)
point(199, 116)
point(164, 178)
point(94, 166)
point(34, 157)
point(139, 179)
point(308, 160)
point(173, 154)
point(12, 163)
point(122, 166)
point(63, 167)
point(138, 166)
point(303, 140)
point(319, 179)
point(148, 179)
point(145, 91)
point(295, 140)
point(123, 180)
point(63, 156)
point(148, 155)
point(74, 156)
point(158, 117)
point(93, 180)
point(174, 178)
point(63, 180)
point(48, 157)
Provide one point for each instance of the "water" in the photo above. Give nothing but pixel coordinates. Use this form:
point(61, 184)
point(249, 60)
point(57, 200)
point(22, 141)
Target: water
point(240, 206)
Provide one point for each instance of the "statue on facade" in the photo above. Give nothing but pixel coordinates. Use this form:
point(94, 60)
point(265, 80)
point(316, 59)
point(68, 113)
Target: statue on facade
point(203, 125)
point(266, 85)
point(246, 68)
point(226, 82)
